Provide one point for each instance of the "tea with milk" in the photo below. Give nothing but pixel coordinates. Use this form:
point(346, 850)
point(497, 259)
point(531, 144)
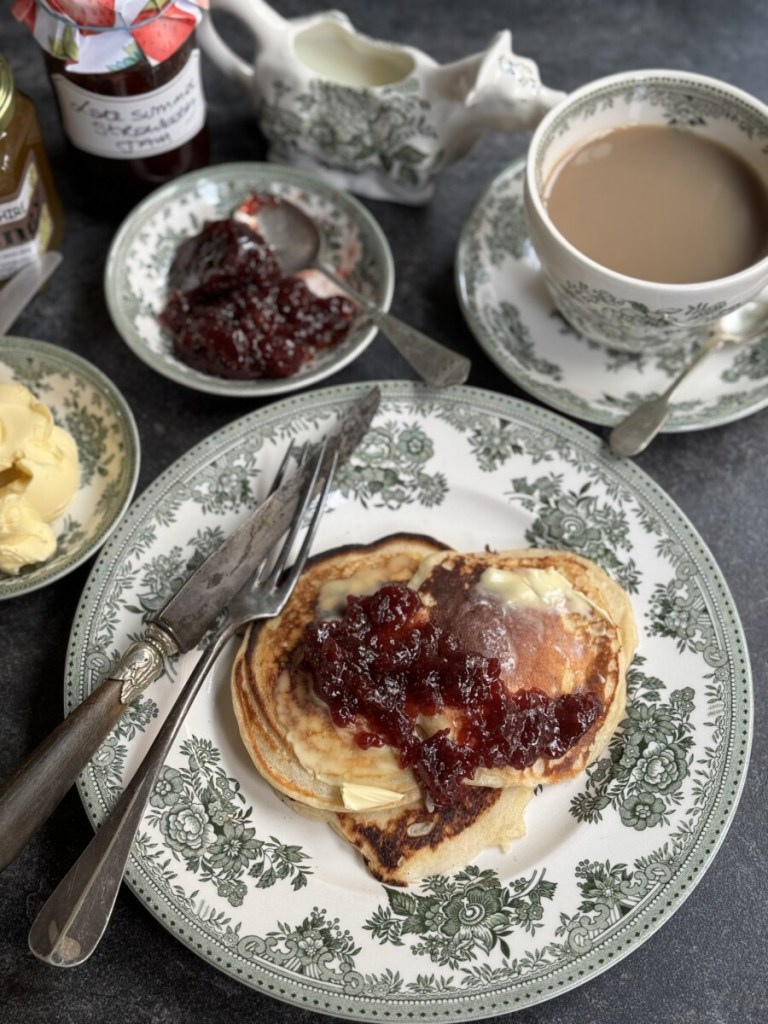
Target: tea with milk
point(660, 204)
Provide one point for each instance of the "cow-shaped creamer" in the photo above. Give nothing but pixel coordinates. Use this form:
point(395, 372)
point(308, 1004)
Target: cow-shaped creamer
point(376, 118)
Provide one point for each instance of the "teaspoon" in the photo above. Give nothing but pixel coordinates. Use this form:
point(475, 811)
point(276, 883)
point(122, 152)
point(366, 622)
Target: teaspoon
point(298, 244)
point(635, 433)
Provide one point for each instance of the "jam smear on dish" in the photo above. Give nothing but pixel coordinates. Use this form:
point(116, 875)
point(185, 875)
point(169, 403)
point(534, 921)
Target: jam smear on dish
point(384, 665)
point(233, 314)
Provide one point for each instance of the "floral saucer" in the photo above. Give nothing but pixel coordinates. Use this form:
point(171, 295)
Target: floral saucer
point(508, 309)
point(144, 246)
point(87, 404)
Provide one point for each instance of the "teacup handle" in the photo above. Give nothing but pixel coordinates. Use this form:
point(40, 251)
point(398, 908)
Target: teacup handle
point(263, 22)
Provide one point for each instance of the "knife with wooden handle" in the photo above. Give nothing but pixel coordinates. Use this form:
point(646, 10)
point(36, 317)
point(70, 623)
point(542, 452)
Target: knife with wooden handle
point(35, 789)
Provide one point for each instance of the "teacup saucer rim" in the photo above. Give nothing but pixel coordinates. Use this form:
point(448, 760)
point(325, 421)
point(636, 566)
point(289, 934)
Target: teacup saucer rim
point(694, 410)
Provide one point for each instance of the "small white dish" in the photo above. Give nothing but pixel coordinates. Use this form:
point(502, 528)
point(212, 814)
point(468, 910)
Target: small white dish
point(87, 404)
point(142, 251)
point(507, 306)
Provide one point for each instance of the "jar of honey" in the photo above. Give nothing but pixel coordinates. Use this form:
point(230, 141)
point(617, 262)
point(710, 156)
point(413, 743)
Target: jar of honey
point(30, 213)
point(129, 89)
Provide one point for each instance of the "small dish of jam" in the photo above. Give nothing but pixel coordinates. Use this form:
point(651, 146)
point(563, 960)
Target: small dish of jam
point(196, 293)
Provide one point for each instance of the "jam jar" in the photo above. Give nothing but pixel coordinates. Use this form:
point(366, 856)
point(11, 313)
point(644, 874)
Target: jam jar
point(30, 214)
point(129, 91)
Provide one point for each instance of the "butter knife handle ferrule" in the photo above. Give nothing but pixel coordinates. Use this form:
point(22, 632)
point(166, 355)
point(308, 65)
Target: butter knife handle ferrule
point(142, 662)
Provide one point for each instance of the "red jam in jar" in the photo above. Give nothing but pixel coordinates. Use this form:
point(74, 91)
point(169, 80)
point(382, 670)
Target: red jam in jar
point(384, 666)
point(128, 84)
point(131, 130)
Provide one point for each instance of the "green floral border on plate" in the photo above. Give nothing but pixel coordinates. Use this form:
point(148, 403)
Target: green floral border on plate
point(277, 902)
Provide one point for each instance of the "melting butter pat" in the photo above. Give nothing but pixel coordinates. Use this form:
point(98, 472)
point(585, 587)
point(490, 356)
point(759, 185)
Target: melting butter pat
point(367, 798)
point(333, 594)
point(39, 475)
point(534, 588)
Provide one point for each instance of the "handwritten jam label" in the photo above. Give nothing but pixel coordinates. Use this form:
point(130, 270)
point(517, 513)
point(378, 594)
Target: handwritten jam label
point(131, 127)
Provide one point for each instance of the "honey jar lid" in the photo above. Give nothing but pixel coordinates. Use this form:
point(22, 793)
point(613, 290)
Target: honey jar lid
point(7, 94)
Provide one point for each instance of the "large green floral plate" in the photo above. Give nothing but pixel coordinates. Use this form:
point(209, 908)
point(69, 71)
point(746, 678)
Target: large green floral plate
point(279, 902)
point(86, 403)
point(135, 279)
point(508, 308)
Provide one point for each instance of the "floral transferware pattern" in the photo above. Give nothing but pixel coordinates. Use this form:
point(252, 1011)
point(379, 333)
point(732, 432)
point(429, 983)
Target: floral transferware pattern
point(199, 810)
point(143, 250)
point(509, 310)
point(643, 772)
point(89, 406)
point(279, 902)
point(677, 105)
point(625, 315)
point(390, 132)
point(628, 321)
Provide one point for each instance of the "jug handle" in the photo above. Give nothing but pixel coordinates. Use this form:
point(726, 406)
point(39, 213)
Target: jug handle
point(263, 22)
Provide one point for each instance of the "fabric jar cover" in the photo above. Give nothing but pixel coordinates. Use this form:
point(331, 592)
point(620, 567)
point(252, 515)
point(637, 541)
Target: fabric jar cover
point(102, 36)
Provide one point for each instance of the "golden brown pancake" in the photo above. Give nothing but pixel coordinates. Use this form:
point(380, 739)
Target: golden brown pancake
point(401, 846)
point(558, 651)
point(555, 621)
point(287, 730)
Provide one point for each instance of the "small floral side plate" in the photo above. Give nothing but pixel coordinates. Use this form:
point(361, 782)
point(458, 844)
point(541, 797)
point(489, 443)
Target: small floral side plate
point(279, 902)
point(142, 251)
point(508, 308)
point(87, 404)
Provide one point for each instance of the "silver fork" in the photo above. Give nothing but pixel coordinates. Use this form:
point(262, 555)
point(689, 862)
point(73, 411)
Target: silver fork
point(75, 916)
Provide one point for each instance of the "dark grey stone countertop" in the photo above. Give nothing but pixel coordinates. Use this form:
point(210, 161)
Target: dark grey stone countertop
point(707, 964)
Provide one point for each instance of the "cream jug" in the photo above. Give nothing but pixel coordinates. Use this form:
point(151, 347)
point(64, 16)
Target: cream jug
point(376, 118)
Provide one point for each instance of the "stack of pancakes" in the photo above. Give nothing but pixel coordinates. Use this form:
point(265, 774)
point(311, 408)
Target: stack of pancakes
point(555, 621)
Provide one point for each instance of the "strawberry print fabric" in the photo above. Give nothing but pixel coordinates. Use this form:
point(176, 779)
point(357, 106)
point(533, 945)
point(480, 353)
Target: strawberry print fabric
point(99, 36)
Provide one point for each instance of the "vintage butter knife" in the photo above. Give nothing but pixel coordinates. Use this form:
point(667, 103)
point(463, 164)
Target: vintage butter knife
point(38, 785)
point(23, 286)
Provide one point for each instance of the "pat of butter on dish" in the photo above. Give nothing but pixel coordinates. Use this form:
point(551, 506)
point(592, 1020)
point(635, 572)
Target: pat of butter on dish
point(39, 475)
point(367, 798)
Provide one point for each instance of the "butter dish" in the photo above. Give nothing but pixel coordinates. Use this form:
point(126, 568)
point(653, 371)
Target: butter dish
point(90, 408)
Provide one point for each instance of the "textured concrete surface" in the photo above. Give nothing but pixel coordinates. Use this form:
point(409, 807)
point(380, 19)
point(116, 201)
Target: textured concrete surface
point(707, 964)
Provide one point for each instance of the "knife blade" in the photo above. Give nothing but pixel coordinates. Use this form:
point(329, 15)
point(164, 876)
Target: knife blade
point(38, 785)
point(194, 607)
point(19, 290)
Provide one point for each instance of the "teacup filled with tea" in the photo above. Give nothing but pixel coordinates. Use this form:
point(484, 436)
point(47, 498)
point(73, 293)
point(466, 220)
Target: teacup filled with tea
point(646, 199)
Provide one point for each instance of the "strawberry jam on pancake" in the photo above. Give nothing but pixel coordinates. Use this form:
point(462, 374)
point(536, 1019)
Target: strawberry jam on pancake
point(402, 676)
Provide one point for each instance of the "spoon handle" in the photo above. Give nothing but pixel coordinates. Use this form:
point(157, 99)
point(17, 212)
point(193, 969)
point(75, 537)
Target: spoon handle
point(436, 364)
point(635, 433)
